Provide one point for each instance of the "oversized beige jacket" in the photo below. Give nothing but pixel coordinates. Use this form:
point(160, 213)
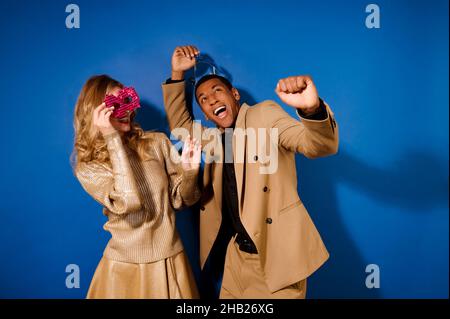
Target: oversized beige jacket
point(288, 243)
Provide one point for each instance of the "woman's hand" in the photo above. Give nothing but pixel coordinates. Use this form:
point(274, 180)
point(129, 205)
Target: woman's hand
point(192, 151)
point(101, 119)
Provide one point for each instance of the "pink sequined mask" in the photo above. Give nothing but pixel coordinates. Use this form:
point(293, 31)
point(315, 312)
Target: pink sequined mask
point(124, 103)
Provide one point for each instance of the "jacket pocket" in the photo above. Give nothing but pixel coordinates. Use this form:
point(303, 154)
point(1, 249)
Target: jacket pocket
point(290, 207)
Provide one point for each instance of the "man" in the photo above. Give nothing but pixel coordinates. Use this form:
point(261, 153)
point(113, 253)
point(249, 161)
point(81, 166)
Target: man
point(275, 245)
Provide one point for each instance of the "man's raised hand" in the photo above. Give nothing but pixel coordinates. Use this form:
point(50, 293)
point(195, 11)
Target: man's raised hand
point(183, 59)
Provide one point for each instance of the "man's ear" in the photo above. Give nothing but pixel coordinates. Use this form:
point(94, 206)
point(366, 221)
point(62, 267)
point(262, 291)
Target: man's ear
point(236, 94)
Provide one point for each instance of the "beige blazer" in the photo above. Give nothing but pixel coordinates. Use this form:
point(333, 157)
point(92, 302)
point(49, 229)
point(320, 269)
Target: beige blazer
point(288, 243)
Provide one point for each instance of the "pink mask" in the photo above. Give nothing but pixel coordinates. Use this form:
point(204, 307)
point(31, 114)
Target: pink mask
point(124, 103)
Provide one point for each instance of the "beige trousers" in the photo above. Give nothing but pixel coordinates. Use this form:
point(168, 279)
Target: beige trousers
point(243, 278)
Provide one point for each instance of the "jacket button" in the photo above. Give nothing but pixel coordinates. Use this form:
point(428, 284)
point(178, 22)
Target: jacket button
point(265, 189)
point(269, 220)
point(202, 208)
point(255, 158)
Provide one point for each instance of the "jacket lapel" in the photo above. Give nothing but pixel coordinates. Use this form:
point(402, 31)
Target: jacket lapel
point(239, 152)
point(216, 172)
point(217, 183)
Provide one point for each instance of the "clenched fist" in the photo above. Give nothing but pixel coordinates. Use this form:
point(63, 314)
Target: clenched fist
point(299, 92)
point(183, 59)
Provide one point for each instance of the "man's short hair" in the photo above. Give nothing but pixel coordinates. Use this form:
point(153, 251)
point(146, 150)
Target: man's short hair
point(209, 77)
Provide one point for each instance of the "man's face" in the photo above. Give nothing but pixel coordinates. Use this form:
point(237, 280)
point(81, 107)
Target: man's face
point(218, 102)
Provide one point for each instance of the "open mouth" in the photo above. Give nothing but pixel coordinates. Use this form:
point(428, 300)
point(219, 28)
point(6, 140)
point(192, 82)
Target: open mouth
point(221, 111)
point(124, 120)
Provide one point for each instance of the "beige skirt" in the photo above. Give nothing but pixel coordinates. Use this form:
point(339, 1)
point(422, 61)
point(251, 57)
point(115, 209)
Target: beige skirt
point(170, 278)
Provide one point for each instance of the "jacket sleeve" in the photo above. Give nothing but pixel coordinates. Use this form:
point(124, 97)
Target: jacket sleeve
point(183, 184)
point(113, 187)
point(313, 138)
point(178, 114)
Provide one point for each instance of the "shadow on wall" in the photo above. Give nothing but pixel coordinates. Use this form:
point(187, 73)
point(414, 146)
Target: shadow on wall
point(416, 182)
point(151, 118)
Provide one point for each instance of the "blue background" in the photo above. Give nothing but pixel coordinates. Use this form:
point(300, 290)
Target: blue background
point(383, 199)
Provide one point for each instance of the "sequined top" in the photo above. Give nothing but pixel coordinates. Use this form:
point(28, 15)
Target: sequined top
point(140, 198)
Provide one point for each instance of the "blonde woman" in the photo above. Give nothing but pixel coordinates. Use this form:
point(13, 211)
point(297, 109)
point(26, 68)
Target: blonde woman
point(131, 174)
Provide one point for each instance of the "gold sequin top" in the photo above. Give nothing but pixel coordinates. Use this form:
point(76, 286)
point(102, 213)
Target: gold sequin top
point(140, 198)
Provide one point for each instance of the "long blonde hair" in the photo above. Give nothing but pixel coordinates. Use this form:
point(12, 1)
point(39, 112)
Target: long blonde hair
point(89, 144)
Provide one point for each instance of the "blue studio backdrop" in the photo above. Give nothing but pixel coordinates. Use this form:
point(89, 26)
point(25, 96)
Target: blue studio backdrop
point(383, 200)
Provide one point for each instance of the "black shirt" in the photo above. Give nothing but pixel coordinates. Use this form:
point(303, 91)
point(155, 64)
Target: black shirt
point(230, 202)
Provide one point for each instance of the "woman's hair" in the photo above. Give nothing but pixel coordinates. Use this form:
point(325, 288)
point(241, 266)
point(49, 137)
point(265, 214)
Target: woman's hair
point(89, 143)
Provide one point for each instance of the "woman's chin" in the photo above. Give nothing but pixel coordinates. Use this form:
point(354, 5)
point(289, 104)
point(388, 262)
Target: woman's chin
point(123, 127)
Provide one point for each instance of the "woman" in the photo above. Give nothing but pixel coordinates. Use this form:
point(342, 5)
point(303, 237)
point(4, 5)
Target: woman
point(130, 173)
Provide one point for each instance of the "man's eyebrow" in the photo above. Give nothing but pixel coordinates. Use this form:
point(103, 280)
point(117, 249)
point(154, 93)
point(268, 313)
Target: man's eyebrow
point(212, 88)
